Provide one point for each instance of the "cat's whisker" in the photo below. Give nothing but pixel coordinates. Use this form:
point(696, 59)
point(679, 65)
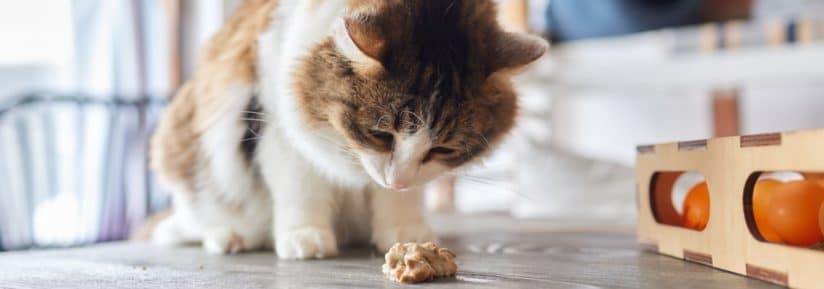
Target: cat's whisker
point(446, 11)
point(331, 141)
point(253, 119)
point(254, 112)
point(482, 182)
point(486, 141)
point(354, 158)
point(494, 184)
point(253, 132)
point(416, 116)
point(380, 120)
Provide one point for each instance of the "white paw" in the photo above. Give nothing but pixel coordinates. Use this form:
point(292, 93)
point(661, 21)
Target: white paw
point(384, 239)
point(223, 241)
point(167, 234)
point(306, 243)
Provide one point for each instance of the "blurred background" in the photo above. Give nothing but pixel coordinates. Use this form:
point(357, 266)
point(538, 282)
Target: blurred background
point(82, 83)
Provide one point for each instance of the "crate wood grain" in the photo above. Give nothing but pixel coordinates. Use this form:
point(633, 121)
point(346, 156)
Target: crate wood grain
point(728, 165)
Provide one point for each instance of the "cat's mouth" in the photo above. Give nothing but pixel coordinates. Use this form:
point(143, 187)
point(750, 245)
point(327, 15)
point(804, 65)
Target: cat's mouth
point(383, 181)
point(398, 187)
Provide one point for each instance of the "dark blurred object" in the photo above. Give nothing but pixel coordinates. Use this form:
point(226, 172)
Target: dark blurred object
point(724, 10)
point(574, 19)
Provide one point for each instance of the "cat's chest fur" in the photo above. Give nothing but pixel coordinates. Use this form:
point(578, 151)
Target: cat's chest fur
point(282, 47)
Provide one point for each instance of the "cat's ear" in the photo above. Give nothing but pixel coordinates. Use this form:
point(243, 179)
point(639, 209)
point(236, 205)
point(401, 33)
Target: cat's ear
point(514, 51)
point(360, 41)
point(366, 37)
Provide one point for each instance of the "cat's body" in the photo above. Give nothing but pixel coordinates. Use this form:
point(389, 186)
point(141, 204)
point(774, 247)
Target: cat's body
point(314, 123)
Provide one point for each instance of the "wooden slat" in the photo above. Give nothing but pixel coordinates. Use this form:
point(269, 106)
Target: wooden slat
point(173, 18)
point(649, 246)
point(695, 145)
point(726, 121)
point(645, 149)
point(770, 139)
point(515, 15)
point(698, 257)
point(767, 275)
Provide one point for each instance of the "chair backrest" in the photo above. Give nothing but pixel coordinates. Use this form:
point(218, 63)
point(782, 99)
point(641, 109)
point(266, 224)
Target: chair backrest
point(73, 169)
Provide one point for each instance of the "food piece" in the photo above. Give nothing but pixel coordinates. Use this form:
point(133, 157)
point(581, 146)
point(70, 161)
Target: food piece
point(793, 211)
point(760, 200)
point(697, 207)
point(412, 262)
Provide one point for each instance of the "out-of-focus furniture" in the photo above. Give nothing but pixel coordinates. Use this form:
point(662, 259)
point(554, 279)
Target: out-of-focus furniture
point(73, 169)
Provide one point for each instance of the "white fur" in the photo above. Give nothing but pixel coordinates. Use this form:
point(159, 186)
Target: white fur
point(319, 196)
point(234, 215)
point(230, 173)
point(404, 167)
point(313, 182)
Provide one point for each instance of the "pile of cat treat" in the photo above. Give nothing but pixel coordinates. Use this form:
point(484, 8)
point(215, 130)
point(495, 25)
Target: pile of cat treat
point(413, 263)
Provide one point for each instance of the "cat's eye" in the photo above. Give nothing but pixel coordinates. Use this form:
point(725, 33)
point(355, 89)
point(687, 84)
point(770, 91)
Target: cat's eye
point(442, 151)
point(384, 137)
point(438, 152)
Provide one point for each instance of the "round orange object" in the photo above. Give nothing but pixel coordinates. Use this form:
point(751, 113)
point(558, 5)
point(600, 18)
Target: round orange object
point(697, 207)
point(760, 200)
point(793, 212)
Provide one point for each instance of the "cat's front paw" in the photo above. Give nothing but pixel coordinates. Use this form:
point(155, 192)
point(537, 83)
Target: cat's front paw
point(386, 238)
point(167, 234)
point(306, 243)
point(223, 241)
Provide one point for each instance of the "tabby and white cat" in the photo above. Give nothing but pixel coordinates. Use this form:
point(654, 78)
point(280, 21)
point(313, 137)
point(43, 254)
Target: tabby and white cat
point(314, 123)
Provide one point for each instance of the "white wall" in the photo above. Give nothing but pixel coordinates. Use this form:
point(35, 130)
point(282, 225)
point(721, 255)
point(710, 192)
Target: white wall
point(613, 94)
point(36, 44)
point(609, 125)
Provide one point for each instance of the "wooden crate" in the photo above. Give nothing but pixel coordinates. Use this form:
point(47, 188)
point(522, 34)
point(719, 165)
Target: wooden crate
point(729, 164)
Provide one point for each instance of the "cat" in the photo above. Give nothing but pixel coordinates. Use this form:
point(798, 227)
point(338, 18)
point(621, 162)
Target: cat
point(313, 124)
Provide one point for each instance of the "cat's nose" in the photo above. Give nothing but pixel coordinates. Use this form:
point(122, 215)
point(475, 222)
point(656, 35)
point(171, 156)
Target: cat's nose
point(398, 178)
point(398, 186)
point(396, 182)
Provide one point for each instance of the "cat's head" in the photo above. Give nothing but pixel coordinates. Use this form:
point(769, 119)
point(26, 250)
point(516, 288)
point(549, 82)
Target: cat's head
point(417, 88)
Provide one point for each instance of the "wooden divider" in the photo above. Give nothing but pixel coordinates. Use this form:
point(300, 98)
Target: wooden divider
point(727, 243)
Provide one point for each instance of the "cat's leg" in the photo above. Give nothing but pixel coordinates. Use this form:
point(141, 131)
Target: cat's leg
point(397, 217)
point(173, 231)
point(304, 211)
point(304, 203)
point(236, 228)
point(242, 234)
point(226, 240)
point(223, 240)
point(220, 227)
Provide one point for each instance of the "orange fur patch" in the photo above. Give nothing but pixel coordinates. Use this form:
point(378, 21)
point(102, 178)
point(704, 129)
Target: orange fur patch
point(229, 59)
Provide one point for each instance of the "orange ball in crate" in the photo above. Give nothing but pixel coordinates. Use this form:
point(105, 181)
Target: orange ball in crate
point(793, 211)
point(760, 200)
point(697, 207)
